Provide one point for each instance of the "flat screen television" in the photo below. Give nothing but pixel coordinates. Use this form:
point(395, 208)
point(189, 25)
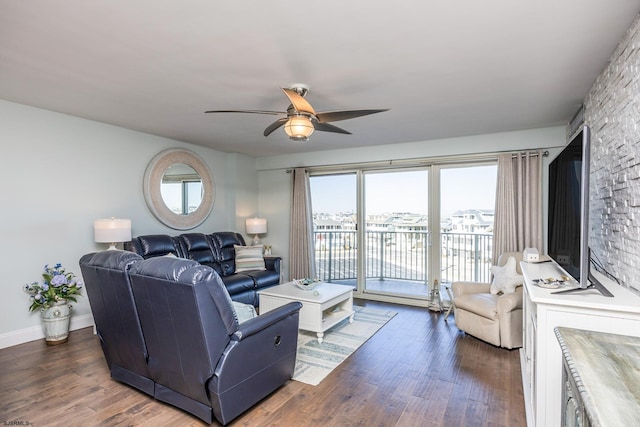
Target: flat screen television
point(568, 212)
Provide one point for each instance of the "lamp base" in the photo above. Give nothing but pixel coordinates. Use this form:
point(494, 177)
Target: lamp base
point(256, 241)
point(112, 247)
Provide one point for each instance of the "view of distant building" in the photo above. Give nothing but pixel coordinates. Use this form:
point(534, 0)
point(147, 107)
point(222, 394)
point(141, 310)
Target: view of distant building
point(469, 221)
point(462, 221)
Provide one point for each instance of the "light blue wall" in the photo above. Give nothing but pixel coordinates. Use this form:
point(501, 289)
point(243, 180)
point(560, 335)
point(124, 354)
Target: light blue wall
point(60, 173)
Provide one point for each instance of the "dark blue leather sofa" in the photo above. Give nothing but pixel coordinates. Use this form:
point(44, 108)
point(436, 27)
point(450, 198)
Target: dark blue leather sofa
point(215, 250)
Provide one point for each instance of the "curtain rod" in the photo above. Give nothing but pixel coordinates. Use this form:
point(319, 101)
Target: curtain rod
point(421, 161)
point(531, 153)
point(411, 162)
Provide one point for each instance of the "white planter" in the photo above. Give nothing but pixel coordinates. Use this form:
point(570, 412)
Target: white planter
point(55, 322)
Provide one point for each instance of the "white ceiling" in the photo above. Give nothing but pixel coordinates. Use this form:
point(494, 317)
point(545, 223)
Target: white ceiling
point(444, 68)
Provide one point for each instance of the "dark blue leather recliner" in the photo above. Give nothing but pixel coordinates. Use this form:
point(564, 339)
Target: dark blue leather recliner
point(201, 359)
point(116, 318)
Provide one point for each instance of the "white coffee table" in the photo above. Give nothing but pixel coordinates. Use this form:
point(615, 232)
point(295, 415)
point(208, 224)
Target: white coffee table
point(322, 308)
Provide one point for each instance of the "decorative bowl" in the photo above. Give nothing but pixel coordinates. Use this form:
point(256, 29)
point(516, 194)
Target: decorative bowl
point(307, 284)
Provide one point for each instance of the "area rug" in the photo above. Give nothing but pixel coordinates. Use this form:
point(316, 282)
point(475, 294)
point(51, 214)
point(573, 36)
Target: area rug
point(315, 361)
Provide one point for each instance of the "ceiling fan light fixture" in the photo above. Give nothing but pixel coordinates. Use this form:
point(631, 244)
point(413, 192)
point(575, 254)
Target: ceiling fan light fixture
point(300, 119)
point(299, 128)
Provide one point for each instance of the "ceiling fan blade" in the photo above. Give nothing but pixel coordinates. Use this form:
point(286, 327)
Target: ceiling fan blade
point(334, 116)
point(275, 113)
point(299, 103)
point(326, 127)
point(275, 125)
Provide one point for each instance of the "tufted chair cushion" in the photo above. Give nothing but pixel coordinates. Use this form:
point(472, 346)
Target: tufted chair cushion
point(197, 246)
point(155, 245)
point(224, 244)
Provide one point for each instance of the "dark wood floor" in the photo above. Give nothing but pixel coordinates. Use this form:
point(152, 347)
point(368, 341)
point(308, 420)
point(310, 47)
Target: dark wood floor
point(416, 371)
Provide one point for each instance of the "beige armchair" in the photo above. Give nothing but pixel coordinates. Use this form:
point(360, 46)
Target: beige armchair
point(496, 319)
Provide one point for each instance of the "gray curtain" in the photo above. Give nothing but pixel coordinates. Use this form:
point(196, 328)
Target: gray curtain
point(518, 214)
point(302, 262)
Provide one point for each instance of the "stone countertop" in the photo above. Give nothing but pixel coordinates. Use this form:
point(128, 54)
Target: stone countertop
point(606, 370)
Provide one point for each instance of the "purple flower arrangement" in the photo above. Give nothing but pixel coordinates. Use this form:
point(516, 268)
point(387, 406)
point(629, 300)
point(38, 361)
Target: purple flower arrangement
point(57, 285)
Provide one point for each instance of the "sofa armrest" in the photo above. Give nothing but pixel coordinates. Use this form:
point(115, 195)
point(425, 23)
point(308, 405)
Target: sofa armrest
point(510, 302)
point(272, 263)
point(461, 288)
point(260, 357)
point(257, 324)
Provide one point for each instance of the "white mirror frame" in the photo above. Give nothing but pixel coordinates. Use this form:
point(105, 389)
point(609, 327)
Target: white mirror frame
point(152, 195)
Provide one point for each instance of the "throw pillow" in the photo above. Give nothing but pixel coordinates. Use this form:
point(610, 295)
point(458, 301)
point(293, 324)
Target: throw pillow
point(505, 278)
point(249, 258)
point(244, 312)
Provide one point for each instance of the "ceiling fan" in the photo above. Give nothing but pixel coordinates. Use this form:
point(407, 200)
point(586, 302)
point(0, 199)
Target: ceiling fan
point(301, 119)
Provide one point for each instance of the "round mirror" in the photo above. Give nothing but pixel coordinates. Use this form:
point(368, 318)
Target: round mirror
point(179, 189)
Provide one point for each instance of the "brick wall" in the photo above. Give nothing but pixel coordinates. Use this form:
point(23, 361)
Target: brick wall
point(612, 110)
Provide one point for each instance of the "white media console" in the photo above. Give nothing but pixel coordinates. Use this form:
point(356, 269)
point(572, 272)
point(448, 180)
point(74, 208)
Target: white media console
point(540, 356)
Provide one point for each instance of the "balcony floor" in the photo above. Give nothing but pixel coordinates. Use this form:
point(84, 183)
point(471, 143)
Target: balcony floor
point(403, 288)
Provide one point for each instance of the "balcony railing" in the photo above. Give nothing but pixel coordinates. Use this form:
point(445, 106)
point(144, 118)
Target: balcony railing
point(403, 255)
point(466, 257)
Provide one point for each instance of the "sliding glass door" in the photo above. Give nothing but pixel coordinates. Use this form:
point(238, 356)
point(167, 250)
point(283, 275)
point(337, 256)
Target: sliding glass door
point(467, 203)
point(396, 232)
point(391, 233)
point(335, 222)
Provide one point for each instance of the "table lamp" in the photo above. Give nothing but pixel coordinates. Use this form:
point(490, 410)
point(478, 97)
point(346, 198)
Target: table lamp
point(112, 231)
point(256, 226)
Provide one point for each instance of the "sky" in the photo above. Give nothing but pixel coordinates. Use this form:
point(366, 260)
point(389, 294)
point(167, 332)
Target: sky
point(406, 191)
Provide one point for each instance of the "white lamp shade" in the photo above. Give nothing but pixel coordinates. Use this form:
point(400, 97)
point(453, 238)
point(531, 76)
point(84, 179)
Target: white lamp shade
point(256, 225)
point(112, 230)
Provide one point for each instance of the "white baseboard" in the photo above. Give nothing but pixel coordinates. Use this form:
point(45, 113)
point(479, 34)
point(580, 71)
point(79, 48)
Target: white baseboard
point(33, 333)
